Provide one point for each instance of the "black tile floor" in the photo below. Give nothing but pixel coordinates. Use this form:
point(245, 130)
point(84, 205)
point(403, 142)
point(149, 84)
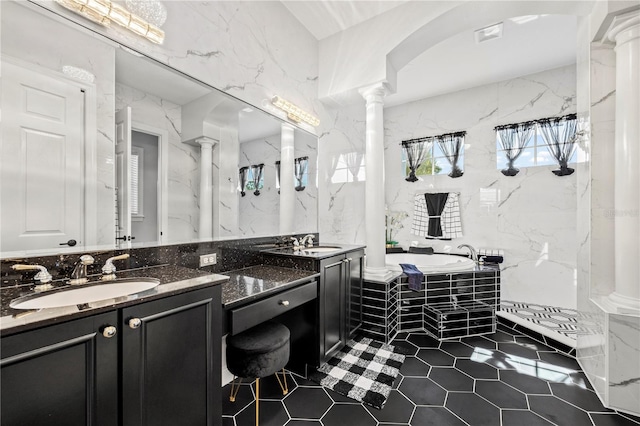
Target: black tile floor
point(502, 379)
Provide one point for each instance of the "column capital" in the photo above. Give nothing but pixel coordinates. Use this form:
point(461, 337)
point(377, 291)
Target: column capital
point(374, 92)
point(205, 142)
point(624, 28)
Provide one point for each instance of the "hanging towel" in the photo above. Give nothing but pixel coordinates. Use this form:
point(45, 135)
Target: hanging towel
point(414, 274)
point(437, 215)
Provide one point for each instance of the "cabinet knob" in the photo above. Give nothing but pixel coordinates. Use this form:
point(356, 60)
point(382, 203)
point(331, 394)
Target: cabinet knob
point(349, 259)
point(284, 302)
point(135, 322)
point(109, 331)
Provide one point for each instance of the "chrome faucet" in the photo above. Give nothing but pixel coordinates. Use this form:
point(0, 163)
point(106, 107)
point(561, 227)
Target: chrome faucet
point(296, 243)
point(109, 269)
point(472, 251)
point(79, 274)
point(43, 276)
point(307, 240)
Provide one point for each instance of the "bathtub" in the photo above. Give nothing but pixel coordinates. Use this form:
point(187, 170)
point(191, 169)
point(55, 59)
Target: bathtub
point(430, 263)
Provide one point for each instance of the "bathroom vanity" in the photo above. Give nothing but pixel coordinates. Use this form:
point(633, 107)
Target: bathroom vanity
point(60, 365)
point(153, 358)
point(339, 290)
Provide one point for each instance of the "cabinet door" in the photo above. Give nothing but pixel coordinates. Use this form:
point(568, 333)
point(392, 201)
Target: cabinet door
point(171, 360)
point(65, 374)
point(354, 291)
point(332, 305)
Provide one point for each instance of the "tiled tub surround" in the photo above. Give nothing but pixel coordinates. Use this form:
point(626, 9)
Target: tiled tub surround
point(381, 320)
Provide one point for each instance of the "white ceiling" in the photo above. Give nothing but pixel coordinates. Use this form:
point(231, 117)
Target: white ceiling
point(457, 63)
point(325, 18)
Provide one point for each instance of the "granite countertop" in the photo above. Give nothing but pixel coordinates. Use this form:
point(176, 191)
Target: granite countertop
point(256, 282)
point(173, 280)
point(302, 253)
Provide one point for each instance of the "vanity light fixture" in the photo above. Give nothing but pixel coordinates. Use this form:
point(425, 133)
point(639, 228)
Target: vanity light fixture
point(295, 113)
point(104, 12)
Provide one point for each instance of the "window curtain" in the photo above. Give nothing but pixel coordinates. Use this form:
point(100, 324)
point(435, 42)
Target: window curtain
point(451, 145)
point(278, 175)
point(256, 171)
point(560, 136)
point(300, 168)
point(514, 139)
point(354, 161)
point(416, 151)
point(243, 180)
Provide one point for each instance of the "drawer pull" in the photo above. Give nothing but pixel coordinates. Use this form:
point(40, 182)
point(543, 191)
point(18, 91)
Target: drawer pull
point(284, 302)
point(109, 331)
point(135, 322)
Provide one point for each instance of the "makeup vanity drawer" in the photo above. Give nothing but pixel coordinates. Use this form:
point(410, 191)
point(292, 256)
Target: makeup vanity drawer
point(247, 316)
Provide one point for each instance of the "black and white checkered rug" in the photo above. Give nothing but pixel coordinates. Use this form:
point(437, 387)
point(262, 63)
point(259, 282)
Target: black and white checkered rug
point(364, 370)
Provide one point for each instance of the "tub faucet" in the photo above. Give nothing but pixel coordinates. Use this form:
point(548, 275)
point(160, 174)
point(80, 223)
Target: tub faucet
point(79, 274)
point(472, 251)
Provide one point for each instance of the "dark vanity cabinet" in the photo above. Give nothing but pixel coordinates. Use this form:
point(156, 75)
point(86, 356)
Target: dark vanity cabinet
point(161, 367)
point(65, 374)
point(171, 358)
point(340, 300)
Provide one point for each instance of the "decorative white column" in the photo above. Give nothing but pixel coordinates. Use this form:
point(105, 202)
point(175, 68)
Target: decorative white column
point(374, 186)
point(287, 186)
point(625, 32)
point(205, 227)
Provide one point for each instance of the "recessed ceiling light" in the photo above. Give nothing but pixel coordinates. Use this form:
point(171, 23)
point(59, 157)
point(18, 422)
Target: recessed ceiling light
point(489, 33)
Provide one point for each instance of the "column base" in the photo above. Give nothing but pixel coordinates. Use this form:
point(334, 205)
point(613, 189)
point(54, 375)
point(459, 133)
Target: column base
point(624, 301)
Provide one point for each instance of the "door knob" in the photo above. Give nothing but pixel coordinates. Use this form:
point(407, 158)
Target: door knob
point(69, 243)
point(135, 322)
point(109, 331)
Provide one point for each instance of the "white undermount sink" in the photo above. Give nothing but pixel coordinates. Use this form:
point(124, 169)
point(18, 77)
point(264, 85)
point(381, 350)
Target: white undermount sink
point(87, 293)
point(321, 249)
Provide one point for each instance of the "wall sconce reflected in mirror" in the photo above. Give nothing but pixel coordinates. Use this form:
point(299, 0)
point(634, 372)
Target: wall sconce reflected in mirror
point(104, 12)
point(294, 113)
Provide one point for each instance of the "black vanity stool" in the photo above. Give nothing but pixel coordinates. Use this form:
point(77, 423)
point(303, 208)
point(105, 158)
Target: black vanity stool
point(258, 352)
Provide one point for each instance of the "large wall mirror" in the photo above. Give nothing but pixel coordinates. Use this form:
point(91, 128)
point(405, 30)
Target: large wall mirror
point(102, 148)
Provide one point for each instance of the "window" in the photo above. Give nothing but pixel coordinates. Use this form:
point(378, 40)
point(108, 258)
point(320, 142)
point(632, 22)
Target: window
point(348, 167)
point(534, 154)
point(136, 187)
point(252, 173)
point(435, 163)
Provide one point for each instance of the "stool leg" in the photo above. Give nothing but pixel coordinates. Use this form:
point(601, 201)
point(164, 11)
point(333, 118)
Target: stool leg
point(235, 388)
point(283, 386)
point(257, 400)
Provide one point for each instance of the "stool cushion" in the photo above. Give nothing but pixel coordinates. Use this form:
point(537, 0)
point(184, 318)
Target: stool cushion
point(259, 351)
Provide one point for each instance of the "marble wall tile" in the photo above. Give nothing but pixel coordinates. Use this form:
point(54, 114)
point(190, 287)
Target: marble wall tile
point(531, 216)
point(624, 362)
point(259, 215)
point(340, 198)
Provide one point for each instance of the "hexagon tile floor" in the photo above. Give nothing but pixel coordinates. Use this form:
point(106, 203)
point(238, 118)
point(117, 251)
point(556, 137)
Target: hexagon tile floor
point(502, 379)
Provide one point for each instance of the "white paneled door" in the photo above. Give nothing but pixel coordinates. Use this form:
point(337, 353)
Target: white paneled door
point(41, 161)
